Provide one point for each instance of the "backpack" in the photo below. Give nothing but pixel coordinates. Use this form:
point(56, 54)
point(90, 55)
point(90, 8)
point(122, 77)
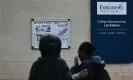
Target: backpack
point(100, 74)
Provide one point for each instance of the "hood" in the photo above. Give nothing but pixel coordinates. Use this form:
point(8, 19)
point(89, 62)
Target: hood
point(49, 45)
point(100, 64)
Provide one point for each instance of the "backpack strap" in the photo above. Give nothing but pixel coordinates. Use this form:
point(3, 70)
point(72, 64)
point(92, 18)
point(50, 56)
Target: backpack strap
point(89, 61)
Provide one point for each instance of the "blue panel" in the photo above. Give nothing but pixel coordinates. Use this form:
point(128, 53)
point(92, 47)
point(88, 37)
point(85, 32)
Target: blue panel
point(116, 46)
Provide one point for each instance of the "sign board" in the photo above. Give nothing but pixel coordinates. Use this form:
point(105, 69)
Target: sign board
point(59, 28)
point(112, 29)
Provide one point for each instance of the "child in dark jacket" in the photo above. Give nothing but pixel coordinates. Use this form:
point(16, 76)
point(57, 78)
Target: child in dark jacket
point(50, 66)
point(85, 54)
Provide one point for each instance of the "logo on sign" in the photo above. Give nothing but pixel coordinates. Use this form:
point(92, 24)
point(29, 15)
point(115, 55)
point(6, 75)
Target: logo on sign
point(111, 8)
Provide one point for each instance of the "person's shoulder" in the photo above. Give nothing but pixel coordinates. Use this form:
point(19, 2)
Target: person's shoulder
point(37, 62)
point(61, 61)
point(86, 64)
point(35, 65)
point(62, 65)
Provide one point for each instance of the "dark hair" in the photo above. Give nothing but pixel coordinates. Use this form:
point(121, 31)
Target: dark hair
point(50, 45)
point(87, 47)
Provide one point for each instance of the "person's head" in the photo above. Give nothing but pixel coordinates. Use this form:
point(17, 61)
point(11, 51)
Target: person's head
point(50, 45)
point(85, 49)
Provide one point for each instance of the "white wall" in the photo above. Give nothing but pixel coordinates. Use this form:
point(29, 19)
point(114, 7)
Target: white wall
point(16, 56)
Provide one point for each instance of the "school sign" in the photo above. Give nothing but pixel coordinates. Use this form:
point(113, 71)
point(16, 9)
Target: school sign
point(112, 29)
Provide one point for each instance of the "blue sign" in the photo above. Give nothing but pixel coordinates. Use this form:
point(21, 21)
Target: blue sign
point(112, 29)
